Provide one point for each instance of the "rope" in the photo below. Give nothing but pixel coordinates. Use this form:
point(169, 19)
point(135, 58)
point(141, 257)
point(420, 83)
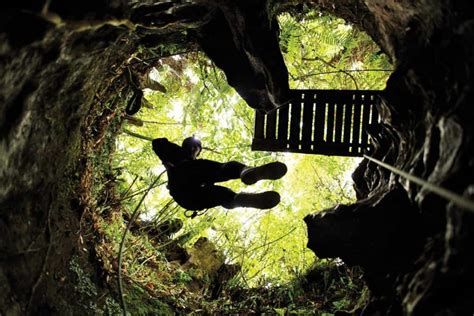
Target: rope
point(457, 199)
point(126, 131)
point(122, 242)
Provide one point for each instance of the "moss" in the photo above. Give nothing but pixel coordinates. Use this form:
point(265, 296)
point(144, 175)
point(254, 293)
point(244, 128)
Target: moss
point(111, 307)
point(84, 284)
point(182, 277)
point(139, 302)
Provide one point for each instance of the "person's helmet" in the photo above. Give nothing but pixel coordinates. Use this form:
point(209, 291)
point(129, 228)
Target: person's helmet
point(192, 146)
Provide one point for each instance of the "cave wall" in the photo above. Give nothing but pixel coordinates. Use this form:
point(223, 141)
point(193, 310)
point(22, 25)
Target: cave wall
point(60, 63)
point(50, 83)
point(63, 80)
point(413, 245)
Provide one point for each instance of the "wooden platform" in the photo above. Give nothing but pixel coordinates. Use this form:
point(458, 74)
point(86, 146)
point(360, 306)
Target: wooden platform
point(326, 122)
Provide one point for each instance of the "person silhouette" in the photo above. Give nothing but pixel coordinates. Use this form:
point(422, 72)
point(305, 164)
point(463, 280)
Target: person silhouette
point(192, 181)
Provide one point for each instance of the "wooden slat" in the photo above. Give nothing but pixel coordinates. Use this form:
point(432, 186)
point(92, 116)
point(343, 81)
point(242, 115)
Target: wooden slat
point(319, 123)
point(270, 129)
point(283, 125)
point(330, 123)
point(365, 123)
point(375, 114)
point(347, 123)
point(348, 113)
point(329, 149)
point(339, 126)
point(374, 117)
point(295, 124)
point(307, 124)
point(356, 125)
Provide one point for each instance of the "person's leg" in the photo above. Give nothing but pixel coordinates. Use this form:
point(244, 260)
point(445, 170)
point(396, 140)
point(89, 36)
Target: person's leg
point(213, 195)
point(203, 197)
point(263, 200)
point(209, 171)
point(269, 171)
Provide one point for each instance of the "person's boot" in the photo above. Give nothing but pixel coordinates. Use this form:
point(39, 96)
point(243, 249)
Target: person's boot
point(264, 200)
point(269, 171)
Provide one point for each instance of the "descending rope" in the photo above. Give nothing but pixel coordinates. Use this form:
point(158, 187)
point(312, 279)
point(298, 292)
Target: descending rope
point(126, 131)
point(457, 199)
point(132, 219)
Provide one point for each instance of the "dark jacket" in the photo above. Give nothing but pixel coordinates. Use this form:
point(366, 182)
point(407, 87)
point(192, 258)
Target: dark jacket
point(179, 166)
point(170, 154)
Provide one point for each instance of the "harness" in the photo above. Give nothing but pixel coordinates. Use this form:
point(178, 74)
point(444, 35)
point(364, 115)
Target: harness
point(194, 213)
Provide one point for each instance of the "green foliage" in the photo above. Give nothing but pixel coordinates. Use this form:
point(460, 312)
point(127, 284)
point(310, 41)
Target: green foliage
point(329, 286)
point(182, 277)
point(140, 302)
point(84, 285)
point(270, 245)
point(324, 52)
point(112, 308)
point(319, 52)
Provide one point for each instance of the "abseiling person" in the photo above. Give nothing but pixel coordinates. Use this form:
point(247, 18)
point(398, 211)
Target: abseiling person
point(192, 181)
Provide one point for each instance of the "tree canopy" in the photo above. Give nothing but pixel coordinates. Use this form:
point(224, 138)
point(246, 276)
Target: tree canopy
point(191, 97)
point(184, 95)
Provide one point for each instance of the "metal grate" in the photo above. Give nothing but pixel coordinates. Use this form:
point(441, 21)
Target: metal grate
point(326, 122)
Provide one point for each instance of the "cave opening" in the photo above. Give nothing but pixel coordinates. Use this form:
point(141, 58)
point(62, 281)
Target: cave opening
point(186, 94)
point(67, 195)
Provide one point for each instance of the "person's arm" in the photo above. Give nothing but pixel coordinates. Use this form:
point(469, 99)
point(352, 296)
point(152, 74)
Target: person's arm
point(169, 153)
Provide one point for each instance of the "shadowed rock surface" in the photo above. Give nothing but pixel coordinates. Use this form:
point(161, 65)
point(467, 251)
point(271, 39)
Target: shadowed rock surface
point(242, 39)
point(412, 244)
point(63, 64)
